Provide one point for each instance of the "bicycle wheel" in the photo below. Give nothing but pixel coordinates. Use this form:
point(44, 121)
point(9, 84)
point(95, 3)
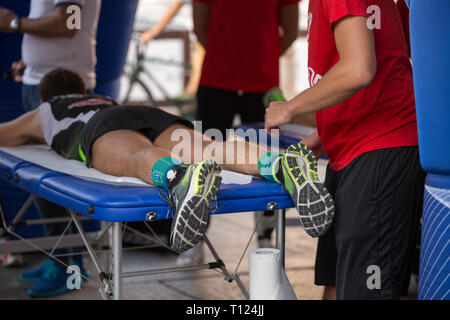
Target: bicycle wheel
point(132, 85)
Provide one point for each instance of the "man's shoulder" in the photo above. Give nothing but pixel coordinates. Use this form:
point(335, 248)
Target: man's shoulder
point(71, 105)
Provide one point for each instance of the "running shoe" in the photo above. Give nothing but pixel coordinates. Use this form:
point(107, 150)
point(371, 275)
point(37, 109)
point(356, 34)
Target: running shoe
point(53, 281)
point(193, 196)
point(34, 275)
point(10, 259)
point(312, 200)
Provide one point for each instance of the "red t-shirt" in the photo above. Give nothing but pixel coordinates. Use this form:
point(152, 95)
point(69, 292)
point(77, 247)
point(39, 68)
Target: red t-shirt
point(243, 45)
point(404, 14)
point(379, 116)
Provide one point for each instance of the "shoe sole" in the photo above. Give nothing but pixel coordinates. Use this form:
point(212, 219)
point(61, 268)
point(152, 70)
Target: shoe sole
point(191, 220)
point(312, 200)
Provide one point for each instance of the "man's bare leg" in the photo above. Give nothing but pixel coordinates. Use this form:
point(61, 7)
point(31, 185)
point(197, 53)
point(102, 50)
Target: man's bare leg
point(238, 156)
point(297, 170)
point(129, 153)
point(329, 293)
point(126, 153)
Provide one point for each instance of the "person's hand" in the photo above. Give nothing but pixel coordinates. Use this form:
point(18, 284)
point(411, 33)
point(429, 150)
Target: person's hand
point(17, 69)
point(147, 36)
point(277, 114)
point(314, 143)
point(6, 16)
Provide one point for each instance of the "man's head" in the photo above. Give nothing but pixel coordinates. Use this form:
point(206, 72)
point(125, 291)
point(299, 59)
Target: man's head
point(59, 82)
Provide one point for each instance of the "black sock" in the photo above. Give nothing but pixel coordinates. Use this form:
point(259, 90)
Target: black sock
point(175, 175)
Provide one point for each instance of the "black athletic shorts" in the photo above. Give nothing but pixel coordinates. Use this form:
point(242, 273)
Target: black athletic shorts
point(147, 120)
point(216, 108)
point(378, 200)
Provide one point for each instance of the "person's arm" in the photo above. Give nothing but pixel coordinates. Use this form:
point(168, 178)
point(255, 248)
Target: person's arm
point(27, 128)
point(54, 25)
point(17, 69)
point(152, 33)
point(289, 20)
point(201, 13)
point(355, 70)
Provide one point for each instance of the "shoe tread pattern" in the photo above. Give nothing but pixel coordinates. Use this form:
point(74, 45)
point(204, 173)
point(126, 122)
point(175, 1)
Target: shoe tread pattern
point(194, 216)
point(313, 201)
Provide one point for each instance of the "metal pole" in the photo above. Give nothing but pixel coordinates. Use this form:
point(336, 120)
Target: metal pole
point(281, 233)
point(19, 215)
point(91, 251)
point(31, 222)
point(165, 270)
point(224, 269)
point(103, 232)
point(117, 260)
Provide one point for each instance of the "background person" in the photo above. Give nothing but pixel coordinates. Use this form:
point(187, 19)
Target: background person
point(243, 42)
point(47, 44)
point(363, 96)
point(191, 88)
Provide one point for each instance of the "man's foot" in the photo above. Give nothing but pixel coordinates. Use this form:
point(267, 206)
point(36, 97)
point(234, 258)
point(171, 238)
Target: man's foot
point(312, 200)
point(193, 196)
point(53, 281)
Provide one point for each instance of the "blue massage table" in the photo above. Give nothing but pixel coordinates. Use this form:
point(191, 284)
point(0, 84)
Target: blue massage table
point(117, 204)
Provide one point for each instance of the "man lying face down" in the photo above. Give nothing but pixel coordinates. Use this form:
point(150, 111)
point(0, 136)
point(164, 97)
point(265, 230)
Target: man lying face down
point(136, 141)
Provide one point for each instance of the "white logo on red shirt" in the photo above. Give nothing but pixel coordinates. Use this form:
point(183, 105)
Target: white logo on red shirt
point(313, 77)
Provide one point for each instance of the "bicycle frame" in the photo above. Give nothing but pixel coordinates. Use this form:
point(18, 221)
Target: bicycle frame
point(138, 69)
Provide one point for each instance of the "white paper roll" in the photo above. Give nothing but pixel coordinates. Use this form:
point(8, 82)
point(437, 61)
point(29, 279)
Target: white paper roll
point(268, 281)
